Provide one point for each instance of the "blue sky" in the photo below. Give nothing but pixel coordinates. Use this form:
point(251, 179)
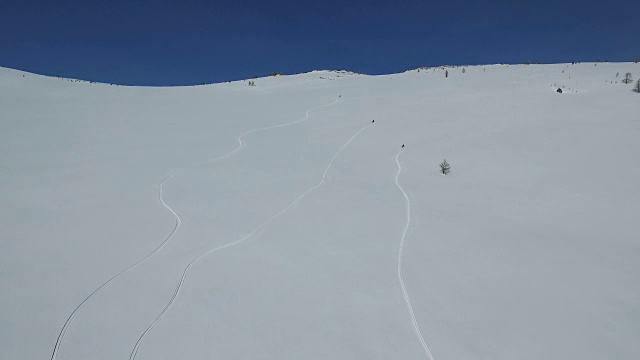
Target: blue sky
point(173, 42)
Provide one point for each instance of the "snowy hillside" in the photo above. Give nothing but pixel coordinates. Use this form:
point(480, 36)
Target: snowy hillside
point(276, 221)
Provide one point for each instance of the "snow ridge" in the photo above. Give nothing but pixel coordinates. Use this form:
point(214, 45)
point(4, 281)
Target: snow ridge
point(136, 348)
point(69, 320)
point(407, 300)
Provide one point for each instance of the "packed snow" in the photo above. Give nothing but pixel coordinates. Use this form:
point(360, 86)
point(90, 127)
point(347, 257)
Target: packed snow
point(278, 221)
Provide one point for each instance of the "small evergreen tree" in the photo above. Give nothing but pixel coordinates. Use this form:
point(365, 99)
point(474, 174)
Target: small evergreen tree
point(637, 87)
point(445, 167)
point(627, 78)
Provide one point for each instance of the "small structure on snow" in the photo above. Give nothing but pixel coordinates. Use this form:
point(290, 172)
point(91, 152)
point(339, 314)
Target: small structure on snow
point(559, 91)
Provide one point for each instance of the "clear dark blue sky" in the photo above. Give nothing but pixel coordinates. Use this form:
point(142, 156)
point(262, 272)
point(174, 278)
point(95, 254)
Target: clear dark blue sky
point(178, 42)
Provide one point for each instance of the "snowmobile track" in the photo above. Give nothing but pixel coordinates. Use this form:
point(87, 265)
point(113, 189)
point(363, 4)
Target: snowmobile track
point(405, 294)
point(73, 314)
point(136, 348)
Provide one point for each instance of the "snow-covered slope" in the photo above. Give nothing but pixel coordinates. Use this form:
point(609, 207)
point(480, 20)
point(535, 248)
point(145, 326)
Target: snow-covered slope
point(277, 221)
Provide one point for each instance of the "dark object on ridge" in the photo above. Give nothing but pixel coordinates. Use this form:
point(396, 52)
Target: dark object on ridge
point(403, 146)
point(372, 121)
point(559, 91)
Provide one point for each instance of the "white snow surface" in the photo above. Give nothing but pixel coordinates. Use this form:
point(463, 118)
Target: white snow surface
point(276, 221)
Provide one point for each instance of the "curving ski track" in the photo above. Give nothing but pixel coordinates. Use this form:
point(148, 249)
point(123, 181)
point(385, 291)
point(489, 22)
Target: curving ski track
point(407, 300)
point(69, 320)
point(136, 348)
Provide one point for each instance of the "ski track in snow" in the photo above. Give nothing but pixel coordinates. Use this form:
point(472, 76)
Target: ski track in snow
point(236, 242)
point(407, 300)
point(69, 320)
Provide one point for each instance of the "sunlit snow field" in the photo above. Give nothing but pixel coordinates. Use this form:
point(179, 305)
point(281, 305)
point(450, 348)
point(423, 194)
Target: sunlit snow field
point(265, 222)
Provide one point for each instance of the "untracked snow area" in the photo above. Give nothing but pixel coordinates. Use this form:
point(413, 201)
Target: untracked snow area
point(277, 221)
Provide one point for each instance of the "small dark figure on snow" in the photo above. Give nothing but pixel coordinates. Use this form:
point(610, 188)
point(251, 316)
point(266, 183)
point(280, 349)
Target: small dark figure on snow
point(339, 96)
point(403, 146)
point(559, 91)
point(372, 121)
